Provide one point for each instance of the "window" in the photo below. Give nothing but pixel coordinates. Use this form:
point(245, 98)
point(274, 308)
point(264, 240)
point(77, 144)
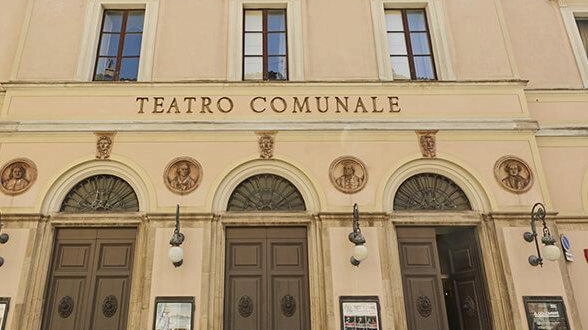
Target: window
point(583, 29)
point(265, 55)
point(119, 48)
point(409, 44)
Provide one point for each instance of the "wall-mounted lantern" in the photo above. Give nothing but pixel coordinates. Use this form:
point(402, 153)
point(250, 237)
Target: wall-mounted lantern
point(3, 239)
point(176, 253)
point(550, 250)
point(360, 251)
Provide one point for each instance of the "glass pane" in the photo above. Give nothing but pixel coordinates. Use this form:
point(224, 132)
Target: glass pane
point(424, 67)
point(394, 20)
point(277, 69)
point(416, 20)
point(135, 21)
point(400, 68)
point(276, 20)
point(105, 68)
point(420, 43)
point(109, 44)
point(276, 43)
point(129, 69)
point(253, 44)
point(132, 46)
point(583, 29)
point(396, 44)
point(253, 68)
point(112, 21)
point(253, 20)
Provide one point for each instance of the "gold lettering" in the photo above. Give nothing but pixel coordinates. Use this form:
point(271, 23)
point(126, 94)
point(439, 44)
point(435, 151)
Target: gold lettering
point(340, 104)
point(374, 105)
point(142, 99)
point(173, 104)
point(394, 104)
point(206, 104)
point(272, 104)
point(299, 107)
point(252, 103)
point(318, 104)
point(158, 103)
point(189, 99)
point(360, 104)
point(219, 105)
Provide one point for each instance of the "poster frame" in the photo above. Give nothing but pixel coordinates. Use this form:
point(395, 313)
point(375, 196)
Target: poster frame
point(359, 299)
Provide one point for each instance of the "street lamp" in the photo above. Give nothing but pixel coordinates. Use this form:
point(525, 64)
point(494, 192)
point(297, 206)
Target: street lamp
point(176, 253)
point(3, 239)
point(550, 250)
point(360, 251)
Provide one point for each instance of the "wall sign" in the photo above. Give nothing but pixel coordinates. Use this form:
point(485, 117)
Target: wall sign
point(174, 313)
point(546, 313)
point(360, 313)
point(4, 304)
point(566, 245)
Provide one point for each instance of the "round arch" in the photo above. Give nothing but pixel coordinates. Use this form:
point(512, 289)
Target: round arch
point(258, 166)
point(468, 183)
point(71, 177)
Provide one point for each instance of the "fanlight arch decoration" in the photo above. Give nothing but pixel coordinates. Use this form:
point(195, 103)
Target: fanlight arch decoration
point(266, 193)
point(430, 192)
point(101, 194)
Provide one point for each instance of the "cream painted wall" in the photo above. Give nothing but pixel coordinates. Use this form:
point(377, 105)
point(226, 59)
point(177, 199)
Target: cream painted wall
point(578, 271)
point(11, 272)
point(51, 50)
point(12, 17)
point(166, 280)
point(528, 280)
point(348, 280)
point(540, 43)
point(479, 48)
point(191, 41)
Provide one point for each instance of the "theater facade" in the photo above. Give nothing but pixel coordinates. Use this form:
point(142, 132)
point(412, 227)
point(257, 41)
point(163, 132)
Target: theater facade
point(293, 164)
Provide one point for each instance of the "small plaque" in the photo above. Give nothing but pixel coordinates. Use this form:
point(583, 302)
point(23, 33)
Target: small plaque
point(360, 313)
point(546, 313)
point(174, 313)
point(4, 304)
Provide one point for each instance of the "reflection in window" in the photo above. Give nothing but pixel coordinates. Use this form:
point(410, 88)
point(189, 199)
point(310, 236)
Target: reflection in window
point(409, 44)
point(583, 29)
point(265, 45)
point(120, 45)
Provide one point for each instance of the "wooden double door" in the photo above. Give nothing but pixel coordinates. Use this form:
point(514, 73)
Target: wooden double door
point(443, 282)
point(90, 279)
point(266, 279)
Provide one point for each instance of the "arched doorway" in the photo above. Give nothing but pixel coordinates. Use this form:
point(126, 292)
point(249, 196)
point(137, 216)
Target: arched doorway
point(441, 267)
point(266, 267)
point(90, 275)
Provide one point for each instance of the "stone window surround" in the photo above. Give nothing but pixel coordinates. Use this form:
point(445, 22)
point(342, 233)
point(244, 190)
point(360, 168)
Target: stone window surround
point(569, 15)
point(437, 31)
point(294, 32)
point(91, 36)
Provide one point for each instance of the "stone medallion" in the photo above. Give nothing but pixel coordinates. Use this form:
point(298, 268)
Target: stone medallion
point(17, 176)
point(513, 174)
point(348, 174)
point(182, 175)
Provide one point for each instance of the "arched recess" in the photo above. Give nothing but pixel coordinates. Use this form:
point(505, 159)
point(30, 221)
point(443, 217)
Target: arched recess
point(431, 192)
point(274, 166)
point(72, 177)
point(470, 185)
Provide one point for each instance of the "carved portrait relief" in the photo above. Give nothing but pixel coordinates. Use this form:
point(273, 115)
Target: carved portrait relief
point(182, 175)
point(104, 142)
point(348, 174)
point(17, 176)
point(513, 174)
point(266, 144)
point(427, 143)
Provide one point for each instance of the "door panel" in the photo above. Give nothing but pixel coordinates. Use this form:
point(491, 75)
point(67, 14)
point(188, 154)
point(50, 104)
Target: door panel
point(266, 271)
point(93, 267)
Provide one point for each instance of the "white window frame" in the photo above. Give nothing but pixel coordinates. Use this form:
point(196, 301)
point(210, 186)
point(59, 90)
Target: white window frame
point(569, 15)
point(437, 31)
point(294, 36)
point(91, 36)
